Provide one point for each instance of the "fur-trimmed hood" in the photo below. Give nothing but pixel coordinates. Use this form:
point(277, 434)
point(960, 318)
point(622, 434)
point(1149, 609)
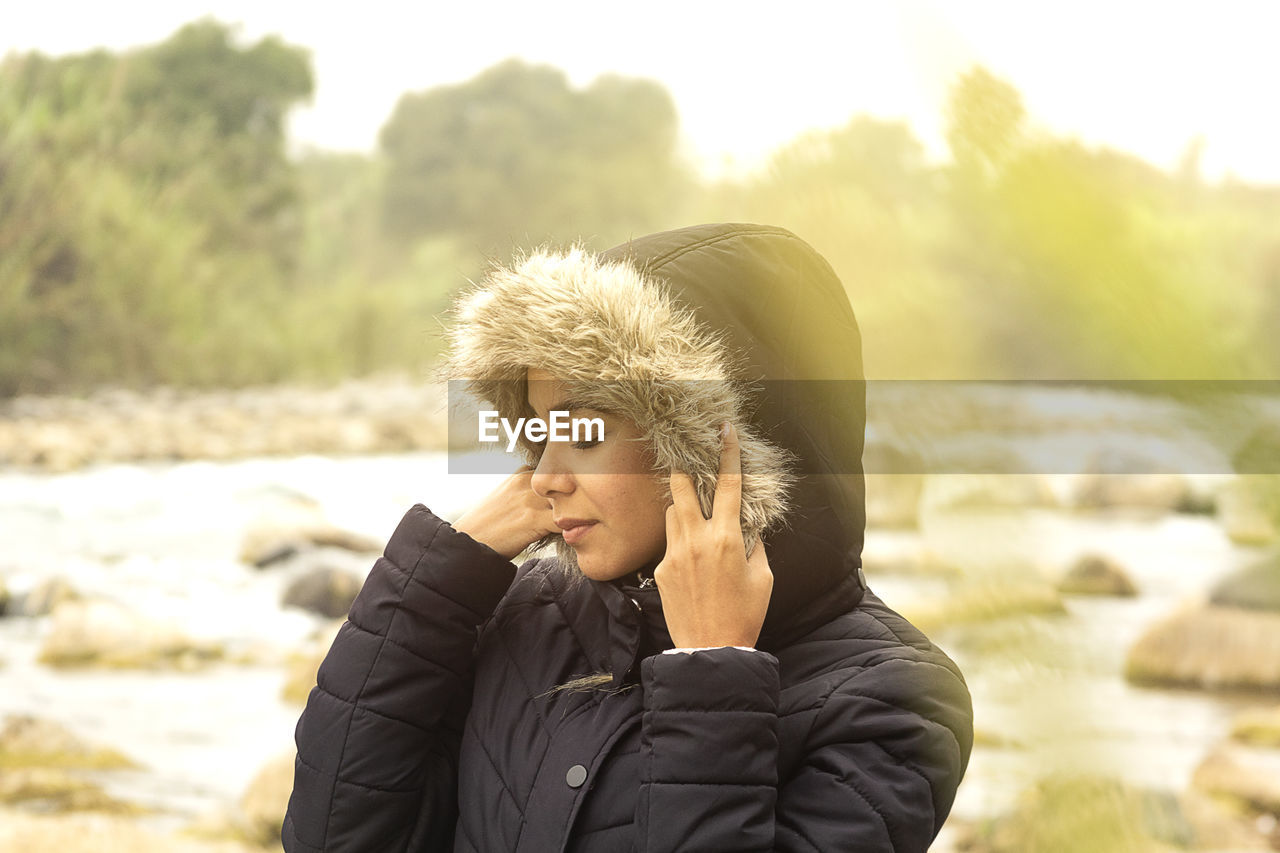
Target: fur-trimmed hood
point(682, 330)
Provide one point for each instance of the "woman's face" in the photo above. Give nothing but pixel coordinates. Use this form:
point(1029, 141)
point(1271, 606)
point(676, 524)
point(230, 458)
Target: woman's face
point(609, 484)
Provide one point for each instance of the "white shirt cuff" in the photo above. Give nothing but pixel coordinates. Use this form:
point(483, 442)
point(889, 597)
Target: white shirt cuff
point(704, 649)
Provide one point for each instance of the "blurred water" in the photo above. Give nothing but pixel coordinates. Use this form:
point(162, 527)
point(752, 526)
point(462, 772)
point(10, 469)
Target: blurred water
point(163, 538)
point(1051, 686)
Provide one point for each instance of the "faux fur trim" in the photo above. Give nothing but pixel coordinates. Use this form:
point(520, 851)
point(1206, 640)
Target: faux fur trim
point(622, 344)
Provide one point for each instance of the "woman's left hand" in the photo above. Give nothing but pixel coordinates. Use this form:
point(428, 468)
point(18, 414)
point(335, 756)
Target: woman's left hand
point(712, 595)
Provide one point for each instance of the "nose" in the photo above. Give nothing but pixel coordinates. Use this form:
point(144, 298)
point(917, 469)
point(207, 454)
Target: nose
point(550, 476)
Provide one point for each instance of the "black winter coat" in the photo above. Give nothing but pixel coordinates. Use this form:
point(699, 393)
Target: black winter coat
point(437, 723)
point(853, 737)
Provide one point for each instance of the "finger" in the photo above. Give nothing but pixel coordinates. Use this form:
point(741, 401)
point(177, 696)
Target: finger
point(675, 528)
point(684, 497)
point(728, 501)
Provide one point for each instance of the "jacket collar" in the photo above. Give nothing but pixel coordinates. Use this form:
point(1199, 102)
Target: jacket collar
point(637, 626)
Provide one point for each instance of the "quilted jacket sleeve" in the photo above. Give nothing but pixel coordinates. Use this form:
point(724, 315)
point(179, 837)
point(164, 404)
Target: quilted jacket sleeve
point(378, 740)
point(885, 753)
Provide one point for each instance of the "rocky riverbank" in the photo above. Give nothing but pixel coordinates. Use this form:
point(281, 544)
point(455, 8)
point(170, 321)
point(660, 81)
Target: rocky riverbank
point(387, 414)
point(170, 616)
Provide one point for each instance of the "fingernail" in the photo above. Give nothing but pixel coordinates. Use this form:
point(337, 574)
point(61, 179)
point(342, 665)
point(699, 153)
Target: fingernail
point(724, 430)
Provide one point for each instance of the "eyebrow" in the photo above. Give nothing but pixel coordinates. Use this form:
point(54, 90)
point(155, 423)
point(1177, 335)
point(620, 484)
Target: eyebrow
point(569, 405)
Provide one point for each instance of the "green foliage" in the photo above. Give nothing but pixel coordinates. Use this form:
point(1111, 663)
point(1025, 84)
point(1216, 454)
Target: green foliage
point(200, 75)
point(369, 301)
point(1075, 263)
point(147, 213)
point(864, 197)
point(1081, 287)
point(985, 120)
point(515, 157)
point(230, 103)
point(1027, 256)
point(153, 230)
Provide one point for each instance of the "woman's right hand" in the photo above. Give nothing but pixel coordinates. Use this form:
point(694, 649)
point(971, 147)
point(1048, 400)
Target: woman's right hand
point(511, 517)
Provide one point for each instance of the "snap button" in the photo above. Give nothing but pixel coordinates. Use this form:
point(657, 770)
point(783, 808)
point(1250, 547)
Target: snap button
point(576, 776)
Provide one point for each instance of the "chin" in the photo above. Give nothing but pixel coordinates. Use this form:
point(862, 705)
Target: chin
point(589, 565)
point(601, 570)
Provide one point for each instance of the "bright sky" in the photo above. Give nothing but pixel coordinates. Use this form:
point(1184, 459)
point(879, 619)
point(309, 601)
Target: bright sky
point(748, 76)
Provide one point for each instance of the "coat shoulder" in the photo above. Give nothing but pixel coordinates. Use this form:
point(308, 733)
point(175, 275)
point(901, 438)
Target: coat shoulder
point(872, 703)
point(867, 635)
point(872, 656)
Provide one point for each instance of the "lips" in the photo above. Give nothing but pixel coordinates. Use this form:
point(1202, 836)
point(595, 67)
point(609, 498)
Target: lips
point(574, 528)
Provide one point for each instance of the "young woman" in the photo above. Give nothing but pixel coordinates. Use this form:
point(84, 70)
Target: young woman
point(701, 665)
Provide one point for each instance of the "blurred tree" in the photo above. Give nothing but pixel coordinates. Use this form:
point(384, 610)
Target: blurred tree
point(1189, 164)
point(882, 158)
point(515, 156)
point(1065, 258)
point(200, 74)
point(152, 228)
point(1249, 260)
point(229, 101)
point(148, 225)
point(985, 120)
point(863, 195)
point(370, 301)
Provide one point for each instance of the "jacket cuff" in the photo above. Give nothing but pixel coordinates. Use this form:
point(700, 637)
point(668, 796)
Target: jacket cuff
point(468, 572)
point(711, 717)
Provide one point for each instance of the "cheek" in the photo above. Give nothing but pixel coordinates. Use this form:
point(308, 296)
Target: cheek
point(640, 506)
point(634, 502)
point(651, 514)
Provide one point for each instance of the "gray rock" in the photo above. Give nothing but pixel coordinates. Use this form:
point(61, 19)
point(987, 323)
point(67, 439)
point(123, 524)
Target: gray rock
point(1249, 775)
point(103, 633)
point(275, 540)
point(1244, 513)
point(365, 416)
point(263, 803)
point(1079, 812)
point(1256, 586)
point(1259, 453)
point(1257, 727)
point(322, 590)
point(1164, 492)
point(1113, 479)
point(1094, 574)
point(271, 553)
point(54, 790)
point(28, 741)
point(41, 599)
point(1219, 648)
point(986, 491)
